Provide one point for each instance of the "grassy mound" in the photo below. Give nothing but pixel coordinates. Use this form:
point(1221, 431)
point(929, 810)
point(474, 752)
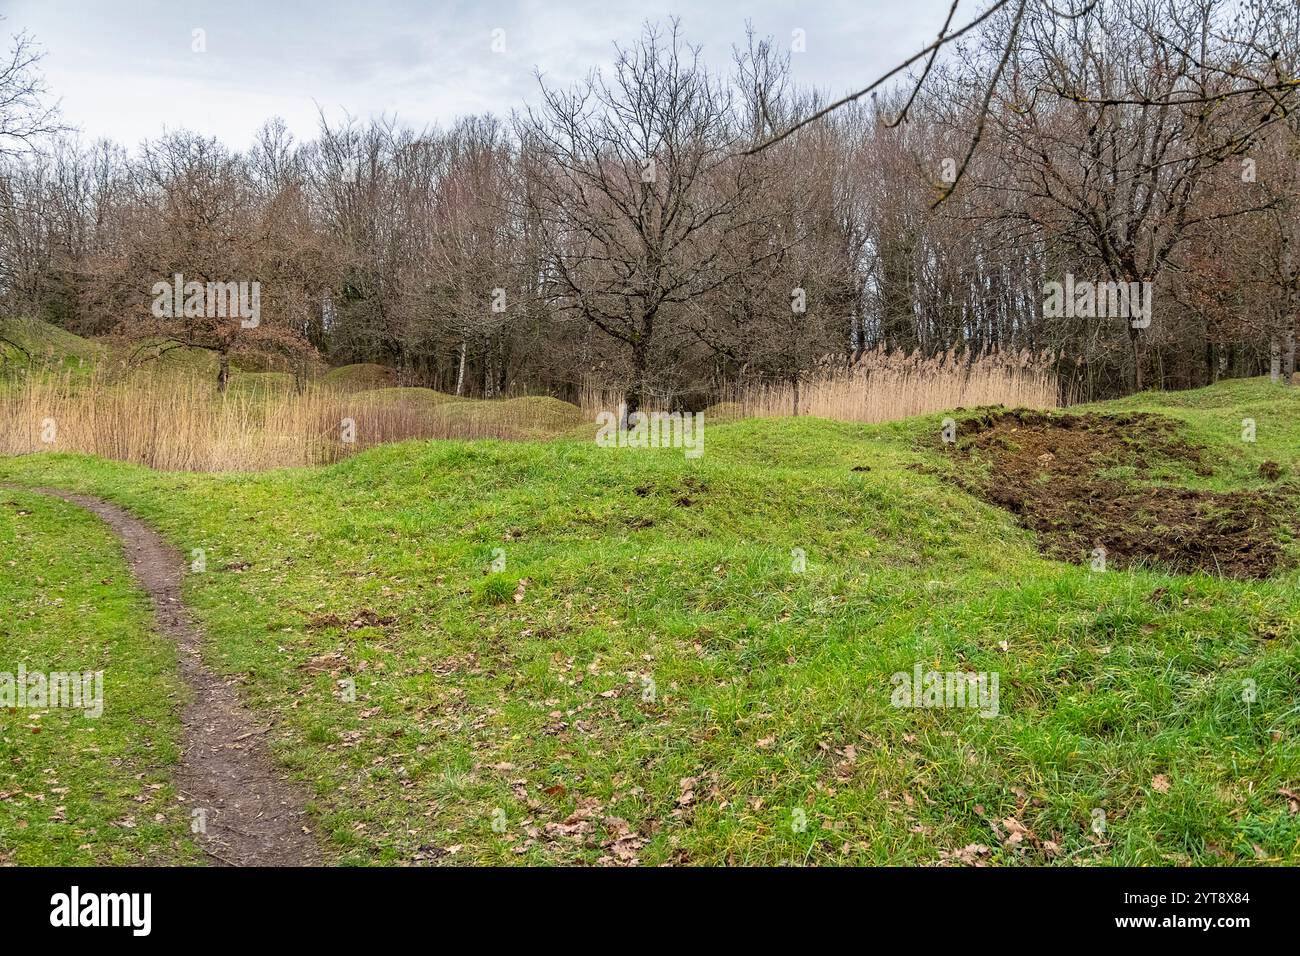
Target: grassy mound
point(38, 346)
point(395, 414)
point(724, 412)
point(534, 416)
point(1107, 486)
point(359, 377)
point(421, 399)
point(31, 342)
point(258, 370)
point(261, 383)
point(635, 656)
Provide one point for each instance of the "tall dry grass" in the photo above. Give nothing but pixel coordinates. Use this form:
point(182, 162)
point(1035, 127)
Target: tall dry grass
point(175, 422)
point(882, 388)
point(594, 398)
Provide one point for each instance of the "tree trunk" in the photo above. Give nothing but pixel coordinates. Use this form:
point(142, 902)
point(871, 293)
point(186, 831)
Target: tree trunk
point(223, 372)
point(636, 392)
point(1292, 282)
point(1137, 359)
point(460, 372)
point(1288, 355)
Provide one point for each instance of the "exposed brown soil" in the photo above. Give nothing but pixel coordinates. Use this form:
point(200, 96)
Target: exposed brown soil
point(353, 622)
point(1050, 471)
point(252, 815)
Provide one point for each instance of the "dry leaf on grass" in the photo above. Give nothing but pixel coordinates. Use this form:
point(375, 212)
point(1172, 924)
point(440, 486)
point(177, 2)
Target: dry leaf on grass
point(970, 855)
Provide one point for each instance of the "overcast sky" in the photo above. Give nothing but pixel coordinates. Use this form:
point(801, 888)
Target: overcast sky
point(128, 69)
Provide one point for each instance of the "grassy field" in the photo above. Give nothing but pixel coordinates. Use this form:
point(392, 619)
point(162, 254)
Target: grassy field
point(78, 790)
point(565, 653)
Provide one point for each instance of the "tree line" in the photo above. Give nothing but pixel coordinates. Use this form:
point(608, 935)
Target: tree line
point(669, 229)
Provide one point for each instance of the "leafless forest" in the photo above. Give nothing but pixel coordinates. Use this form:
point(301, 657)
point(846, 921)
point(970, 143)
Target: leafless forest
point(674, 228)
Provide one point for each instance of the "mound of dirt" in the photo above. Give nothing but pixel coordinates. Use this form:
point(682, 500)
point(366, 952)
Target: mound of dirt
point(1055, 473)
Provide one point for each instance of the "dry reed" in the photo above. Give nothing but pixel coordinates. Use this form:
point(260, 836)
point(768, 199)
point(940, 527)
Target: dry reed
point(176, 422)
point(882, 388)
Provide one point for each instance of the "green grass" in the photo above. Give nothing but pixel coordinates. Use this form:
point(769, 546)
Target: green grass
point(537, 416)
point(422, 399)
point(77, 790)
point(42, 346)
point(649, 661)
point(47, 348)
point(532, 416)
point(360, 377)
point(1214, 417)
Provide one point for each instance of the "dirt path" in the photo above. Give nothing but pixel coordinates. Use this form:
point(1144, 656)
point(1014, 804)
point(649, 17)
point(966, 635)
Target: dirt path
point(251, 814)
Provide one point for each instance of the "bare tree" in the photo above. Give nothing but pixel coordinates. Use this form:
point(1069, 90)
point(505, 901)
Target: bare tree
point(1111, 167)
point(23, 115)
point(670, 231)
point(639, 193)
